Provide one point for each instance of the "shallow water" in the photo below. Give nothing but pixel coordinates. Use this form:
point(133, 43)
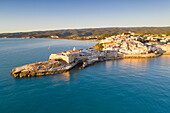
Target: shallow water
point(120, 86)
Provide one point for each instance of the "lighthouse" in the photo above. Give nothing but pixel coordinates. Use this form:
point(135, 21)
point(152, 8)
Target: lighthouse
point(74, 48)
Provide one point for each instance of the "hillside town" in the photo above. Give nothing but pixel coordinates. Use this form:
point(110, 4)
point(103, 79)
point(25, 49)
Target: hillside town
point(120, 46)
point(126, 45)
point(130, 44)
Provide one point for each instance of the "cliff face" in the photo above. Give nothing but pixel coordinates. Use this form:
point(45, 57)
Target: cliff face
point(41, 68)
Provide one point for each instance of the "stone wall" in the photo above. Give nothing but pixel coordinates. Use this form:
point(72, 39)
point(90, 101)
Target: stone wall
point(142, 55)
point(68, 59)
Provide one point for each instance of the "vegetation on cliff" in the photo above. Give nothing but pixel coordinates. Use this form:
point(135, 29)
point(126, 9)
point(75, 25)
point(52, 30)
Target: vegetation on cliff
point(99, 46)
point(99, 33)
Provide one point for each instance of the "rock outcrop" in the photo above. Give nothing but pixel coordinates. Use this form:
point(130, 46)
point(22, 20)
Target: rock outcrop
point(41, 68)
point(52, 66)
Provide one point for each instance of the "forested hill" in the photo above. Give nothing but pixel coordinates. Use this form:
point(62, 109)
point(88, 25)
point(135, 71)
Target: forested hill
point(93, 32)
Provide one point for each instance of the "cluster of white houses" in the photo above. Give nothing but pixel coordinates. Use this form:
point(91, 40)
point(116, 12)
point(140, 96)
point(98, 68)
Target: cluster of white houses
point(113, 47)
point(124, 45)
point(129, 44)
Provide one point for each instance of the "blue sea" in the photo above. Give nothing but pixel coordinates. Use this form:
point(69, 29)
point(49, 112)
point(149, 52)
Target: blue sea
point(118, 86)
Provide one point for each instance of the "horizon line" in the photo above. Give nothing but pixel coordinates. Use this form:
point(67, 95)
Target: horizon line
point(81, 28)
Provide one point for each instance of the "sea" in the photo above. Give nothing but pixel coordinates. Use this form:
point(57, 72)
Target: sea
point(117, 86)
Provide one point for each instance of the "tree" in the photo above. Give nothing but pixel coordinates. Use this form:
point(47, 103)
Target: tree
point(168, 33)
point(98, 46)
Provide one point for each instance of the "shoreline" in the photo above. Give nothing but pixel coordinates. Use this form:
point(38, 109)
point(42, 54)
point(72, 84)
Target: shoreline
point(124, 57)
point(24, 71)
point(166, 53)
point(54, 39)
point(42, 68)
point(62, 62)
point(79, 40)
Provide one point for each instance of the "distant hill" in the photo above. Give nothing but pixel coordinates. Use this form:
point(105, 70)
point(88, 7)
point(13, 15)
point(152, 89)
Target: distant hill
point(91, 32)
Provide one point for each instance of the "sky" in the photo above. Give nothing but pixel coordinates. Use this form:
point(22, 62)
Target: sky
point(36, 15)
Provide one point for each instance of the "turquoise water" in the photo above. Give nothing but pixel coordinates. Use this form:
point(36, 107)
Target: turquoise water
point(119, 86)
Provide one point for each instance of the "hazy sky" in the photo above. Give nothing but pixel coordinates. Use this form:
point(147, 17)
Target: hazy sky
point(31, 15)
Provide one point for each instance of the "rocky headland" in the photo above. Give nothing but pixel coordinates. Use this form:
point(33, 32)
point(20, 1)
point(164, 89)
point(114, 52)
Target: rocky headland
point(111, 48)
point(42, 68)
point(53, 67)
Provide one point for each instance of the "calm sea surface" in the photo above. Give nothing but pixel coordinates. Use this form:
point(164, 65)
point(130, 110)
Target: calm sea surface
point(119, 86)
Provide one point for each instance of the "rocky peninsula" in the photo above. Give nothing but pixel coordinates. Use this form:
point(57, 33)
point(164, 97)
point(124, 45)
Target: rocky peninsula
point(52, 66)
point(114, 47)
point(42, 68)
